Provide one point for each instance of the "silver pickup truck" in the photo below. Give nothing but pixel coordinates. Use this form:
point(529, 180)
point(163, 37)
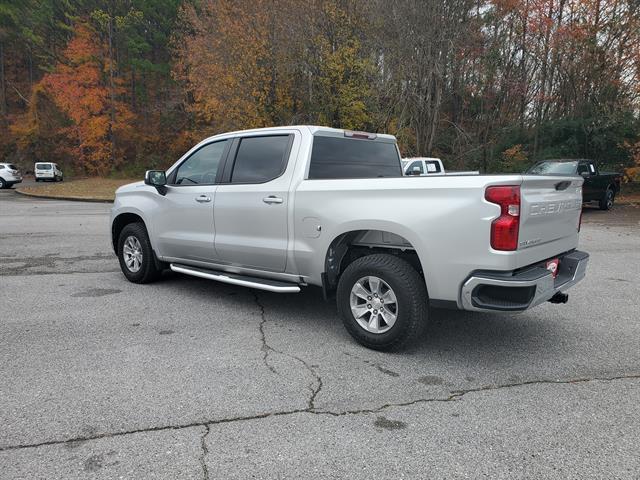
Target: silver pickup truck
point(279, 209)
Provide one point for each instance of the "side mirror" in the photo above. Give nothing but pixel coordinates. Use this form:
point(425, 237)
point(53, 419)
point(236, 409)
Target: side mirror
point(585, 174)
point(158, 179)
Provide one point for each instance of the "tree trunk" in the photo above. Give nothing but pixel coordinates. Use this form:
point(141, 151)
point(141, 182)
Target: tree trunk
point(3, 84)
point(543, 81)
point(112, 106)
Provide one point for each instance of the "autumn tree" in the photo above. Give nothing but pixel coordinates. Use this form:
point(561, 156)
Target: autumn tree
point(222, 61)
point(124, 85)
point(80, 87)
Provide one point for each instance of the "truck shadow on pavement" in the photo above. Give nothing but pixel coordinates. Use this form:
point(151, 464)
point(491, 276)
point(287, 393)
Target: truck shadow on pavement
point(304, 320)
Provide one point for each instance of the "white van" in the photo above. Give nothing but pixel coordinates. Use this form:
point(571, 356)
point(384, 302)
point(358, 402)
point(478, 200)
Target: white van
point(47, 171)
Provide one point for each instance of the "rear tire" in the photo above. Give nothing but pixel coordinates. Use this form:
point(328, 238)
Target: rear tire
point(606, 203)
point(407, 288)
point(3, 184)
point(137, 260)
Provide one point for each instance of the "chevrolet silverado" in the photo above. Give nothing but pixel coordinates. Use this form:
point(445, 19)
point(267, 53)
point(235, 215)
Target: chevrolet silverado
point(279, 209)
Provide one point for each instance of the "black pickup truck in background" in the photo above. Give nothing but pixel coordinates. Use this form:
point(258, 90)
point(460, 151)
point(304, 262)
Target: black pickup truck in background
point(601, 187)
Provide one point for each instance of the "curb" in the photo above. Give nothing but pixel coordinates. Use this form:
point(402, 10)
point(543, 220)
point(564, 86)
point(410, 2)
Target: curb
point(71, 199)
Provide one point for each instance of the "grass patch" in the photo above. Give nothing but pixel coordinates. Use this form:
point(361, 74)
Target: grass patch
point(86, 188)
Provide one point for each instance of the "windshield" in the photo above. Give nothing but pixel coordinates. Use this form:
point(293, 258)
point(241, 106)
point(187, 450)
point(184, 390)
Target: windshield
point(11, 166)
point(43, 166)
point(554, 168)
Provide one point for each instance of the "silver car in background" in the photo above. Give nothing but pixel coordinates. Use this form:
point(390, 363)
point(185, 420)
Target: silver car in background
point(9, 175)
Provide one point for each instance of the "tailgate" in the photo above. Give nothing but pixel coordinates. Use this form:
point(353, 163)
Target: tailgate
point(550, 211)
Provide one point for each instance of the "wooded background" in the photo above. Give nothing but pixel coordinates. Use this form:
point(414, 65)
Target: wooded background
point(116, 87)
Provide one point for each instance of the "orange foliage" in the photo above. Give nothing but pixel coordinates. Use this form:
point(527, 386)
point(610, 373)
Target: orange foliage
point(79, 87)
point(632, 174)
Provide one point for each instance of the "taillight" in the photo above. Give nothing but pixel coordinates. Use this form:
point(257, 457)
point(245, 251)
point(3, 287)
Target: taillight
point(504, 229)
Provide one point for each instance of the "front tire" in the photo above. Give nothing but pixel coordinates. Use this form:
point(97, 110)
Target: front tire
point(606, 203)
point(137, 260)
point(383, 301)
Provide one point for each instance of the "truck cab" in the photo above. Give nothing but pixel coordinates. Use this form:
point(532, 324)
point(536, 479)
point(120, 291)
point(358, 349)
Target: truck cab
point(422, 166)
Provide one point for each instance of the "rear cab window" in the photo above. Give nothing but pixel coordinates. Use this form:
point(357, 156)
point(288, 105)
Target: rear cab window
point(554, 167)
point(347, 157)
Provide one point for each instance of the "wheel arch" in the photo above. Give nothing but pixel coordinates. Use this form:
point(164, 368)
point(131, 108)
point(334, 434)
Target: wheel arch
point(348, 246)
point(121, 221)
point(614, 187)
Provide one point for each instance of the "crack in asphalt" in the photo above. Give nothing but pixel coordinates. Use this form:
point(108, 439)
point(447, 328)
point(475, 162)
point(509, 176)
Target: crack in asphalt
point(266, 348)
point(315, 387)
point(205, 451)
point(453, 396)
point(458, 394)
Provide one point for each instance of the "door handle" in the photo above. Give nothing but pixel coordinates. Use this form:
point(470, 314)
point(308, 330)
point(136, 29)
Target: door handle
point(203, 198)
point(272, 199)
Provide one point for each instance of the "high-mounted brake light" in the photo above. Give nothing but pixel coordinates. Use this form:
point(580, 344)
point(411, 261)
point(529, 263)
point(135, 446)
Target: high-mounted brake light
point(505, 228)
point(363, 135)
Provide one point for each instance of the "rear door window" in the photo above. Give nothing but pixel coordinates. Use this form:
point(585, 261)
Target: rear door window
point(336, 157)
point(260, 159)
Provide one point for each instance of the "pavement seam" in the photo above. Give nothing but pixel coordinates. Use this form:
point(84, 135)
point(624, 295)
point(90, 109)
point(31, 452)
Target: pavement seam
point(315, 387)
point(454, 396)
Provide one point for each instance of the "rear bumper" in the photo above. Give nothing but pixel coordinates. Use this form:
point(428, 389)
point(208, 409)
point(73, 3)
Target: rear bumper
point(518, 291)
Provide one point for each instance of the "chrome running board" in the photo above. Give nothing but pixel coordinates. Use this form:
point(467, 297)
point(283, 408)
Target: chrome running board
point(234, 279)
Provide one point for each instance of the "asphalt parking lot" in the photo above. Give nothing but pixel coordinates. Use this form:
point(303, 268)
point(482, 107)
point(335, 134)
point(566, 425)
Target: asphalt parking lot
point(186, 378)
